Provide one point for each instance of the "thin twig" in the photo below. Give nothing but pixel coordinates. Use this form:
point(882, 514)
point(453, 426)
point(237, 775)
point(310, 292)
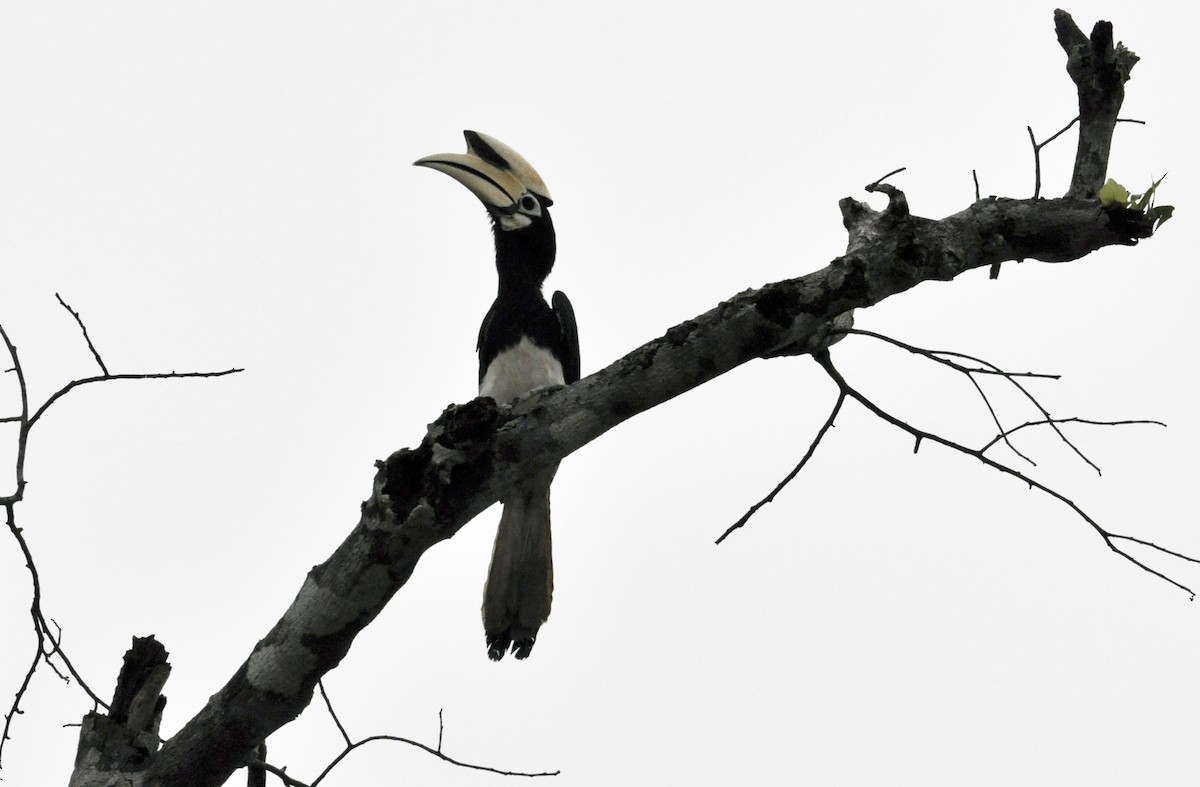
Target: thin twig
point(62, 654)
point(1152, 545)
point(23, 419)
point(42, 633)
point(1037, 163)
point(812, 447)
point(54, 646)
point(282, 774)
point(10, 519)
point(996, 419)
point(332, 713)
point(1037, 154)
point(944, 356)
point(105, 378)
point(877, 182)
point(86, 338)
point(428, 749)
point(15, 708)
point(351, 745)
point(1048, 421)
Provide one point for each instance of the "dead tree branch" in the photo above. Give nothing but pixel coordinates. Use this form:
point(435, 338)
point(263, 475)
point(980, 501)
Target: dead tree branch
point(1099, 68)
point(474, 453)
point(86, 338)
point(352, 745)
point(921, 435)
point(48, 641)
point(129, 732)
point(812, 448)
point(333, 714)
point(948, 358)
point(1037, 153)
point(1073, 420)
point(983, 367)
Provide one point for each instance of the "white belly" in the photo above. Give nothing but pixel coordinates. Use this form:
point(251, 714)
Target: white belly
point(518, 370)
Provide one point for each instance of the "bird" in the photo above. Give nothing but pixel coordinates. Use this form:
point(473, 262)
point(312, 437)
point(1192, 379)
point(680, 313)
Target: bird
point(524, 344)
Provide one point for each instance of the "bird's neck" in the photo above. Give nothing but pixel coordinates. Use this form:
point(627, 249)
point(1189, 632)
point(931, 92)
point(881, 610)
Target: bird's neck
point(524, 258)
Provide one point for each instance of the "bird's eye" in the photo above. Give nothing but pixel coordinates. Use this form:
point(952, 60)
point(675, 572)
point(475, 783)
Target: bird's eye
point(528, 203)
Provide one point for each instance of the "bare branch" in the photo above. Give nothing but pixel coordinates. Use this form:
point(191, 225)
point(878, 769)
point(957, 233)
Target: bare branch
point(282, 774)
point(1037, 154)
point(15, 708)
point(58, 651)
point(43, 634)
point(86, 338)
point(812, 447)
point(352, 745)
point(943, 357)
point(47, 653)
point(332, 714)
point(1048, 421)
point(1099, 68)
point(875, 184)
point(986, 367)
point(61, 392)
point(35, 612)
point(996, 419)
point(22, 419)
point(1152, 545)
point(434, 752)
point(1109, 539)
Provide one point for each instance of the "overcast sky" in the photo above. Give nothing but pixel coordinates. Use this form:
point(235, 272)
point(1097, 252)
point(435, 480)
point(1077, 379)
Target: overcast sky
point(229, 184)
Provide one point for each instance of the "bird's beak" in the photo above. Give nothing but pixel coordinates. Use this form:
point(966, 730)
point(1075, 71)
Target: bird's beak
point(495, 187)
point(493, 171)
point(493, 150)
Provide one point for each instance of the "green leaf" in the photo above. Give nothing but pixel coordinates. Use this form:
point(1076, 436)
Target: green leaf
point(1113, 193)
point(1144, 201)
point(1160, 214)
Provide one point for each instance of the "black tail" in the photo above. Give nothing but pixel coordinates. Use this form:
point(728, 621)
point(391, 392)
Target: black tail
point(520, 583)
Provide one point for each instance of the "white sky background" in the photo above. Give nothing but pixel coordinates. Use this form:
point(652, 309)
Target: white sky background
point(218, 185)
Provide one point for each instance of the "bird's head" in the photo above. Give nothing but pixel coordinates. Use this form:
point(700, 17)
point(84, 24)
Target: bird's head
point(509, 187)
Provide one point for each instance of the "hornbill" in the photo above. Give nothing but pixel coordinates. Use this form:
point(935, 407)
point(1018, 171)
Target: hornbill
point(524, 344)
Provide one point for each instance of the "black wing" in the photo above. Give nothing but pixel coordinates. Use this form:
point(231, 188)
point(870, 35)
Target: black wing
point(484, 357)
point(570, 335)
